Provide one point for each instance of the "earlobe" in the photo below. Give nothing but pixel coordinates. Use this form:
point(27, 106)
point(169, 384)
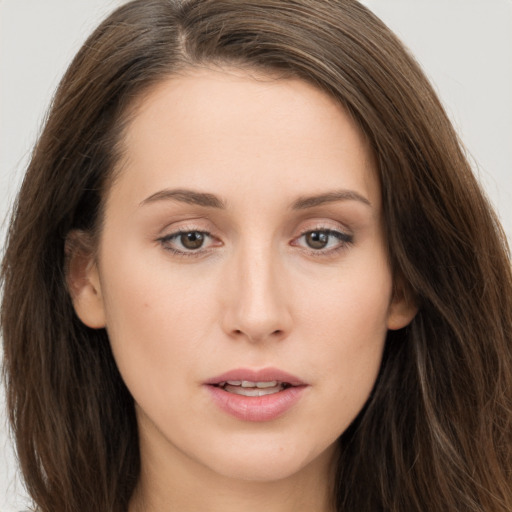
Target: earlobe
point(83, 282)
point(402, 310)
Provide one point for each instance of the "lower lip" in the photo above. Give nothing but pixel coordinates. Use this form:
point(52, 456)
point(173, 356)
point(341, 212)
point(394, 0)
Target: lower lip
point(256, 408)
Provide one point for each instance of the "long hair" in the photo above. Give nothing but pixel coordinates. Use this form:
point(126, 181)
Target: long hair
point(436, 433)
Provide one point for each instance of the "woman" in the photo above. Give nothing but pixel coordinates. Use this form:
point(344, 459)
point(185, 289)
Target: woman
point(250, 267)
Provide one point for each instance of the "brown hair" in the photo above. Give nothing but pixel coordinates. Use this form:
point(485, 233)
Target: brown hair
point(436, 434)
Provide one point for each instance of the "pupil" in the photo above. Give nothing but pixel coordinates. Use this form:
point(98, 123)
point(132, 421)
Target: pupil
point(317, 239)
point(192, 240)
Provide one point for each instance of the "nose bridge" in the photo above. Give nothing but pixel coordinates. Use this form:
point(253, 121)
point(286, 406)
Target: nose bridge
point(257, 307)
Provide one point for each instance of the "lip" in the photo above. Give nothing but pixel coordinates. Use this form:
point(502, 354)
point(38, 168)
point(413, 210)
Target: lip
point(265, 374)
point(252, 408)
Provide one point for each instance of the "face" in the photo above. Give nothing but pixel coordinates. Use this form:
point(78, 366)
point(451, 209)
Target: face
point(242, 274)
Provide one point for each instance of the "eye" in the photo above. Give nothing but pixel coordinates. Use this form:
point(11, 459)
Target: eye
point(192, 240)
point(186, 242)
point(317, 239)
point(323, 240)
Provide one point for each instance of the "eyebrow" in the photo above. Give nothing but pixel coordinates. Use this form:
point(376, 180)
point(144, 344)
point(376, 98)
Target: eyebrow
point(186, 196)
point(329, 197)
point(212, 201)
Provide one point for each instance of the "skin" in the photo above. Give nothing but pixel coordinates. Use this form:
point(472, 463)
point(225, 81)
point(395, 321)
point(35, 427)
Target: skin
point(256, 294)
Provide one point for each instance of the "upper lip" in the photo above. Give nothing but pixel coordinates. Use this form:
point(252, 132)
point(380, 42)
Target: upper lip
point(262, 375)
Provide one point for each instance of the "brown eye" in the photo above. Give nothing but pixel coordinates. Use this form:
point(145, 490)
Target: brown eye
point(323, 241)
point(188, 243)
point(317, 239)
point(192, 240)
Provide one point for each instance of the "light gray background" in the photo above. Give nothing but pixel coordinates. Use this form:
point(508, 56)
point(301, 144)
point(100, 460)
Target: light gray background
point(465, 46)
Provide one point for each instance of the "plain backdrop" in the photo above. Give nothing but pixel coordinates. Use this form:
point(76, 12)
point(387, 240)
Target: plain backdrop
point(465, 47)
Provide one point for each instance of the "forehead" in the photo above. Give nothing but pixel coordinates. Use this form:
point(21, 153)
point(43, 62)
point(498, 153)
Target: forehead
point(226, 128)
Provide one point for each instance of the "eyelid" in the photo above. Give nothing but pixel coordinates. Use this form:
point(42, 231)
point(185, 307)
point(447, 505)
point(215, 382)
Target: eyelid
point(332, 229)
point(345, 237)
point(166, 239)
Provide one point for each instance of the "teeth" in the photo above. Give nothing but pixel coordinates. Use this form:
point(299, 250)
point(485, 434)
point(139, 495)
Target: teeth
point(270, 384)
point(250, 388)
point(253, 390)
point(250, 384)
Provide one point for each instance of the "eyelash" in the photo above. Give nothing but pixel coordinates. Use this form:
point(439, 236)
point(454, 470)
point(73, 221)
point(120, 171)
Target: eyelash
point(344, 239)
point(167, 239)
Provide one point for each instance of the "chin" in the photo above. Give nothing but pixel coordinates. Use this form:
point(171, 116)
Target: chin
point(269, 463)
point(256, 471)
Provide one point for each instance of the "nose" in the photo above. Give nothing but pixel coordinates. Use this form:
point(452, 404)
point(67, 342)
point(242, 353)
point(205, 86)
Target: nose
point(255, 297)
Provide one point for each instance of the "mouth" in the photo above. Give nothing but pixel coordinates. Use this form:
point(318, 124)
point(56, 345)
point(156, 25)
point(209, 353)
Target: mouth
point(256, 395)
point(251, 388)
point(250, 382)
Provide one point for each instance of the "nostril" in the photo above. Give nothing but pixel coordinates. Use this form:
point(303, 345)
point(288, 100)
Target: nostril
point(277, 334)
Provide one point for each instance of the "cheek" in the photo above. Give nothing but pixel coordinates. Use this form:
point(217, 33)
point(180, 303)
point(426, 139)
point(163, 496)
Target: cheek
point(156, 321)
point(351, 307)
point(345, 330)
point(145, 290)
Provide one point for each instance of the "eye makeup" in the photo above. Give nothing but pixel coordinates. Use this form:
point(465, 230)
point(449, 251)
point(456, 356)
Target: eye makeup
point(323, 241)
point(320, 241)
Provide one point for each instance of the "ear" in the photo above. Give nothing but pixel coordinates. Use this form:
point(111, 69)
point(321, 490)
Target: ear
point(402, 309)
point(83, 280)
